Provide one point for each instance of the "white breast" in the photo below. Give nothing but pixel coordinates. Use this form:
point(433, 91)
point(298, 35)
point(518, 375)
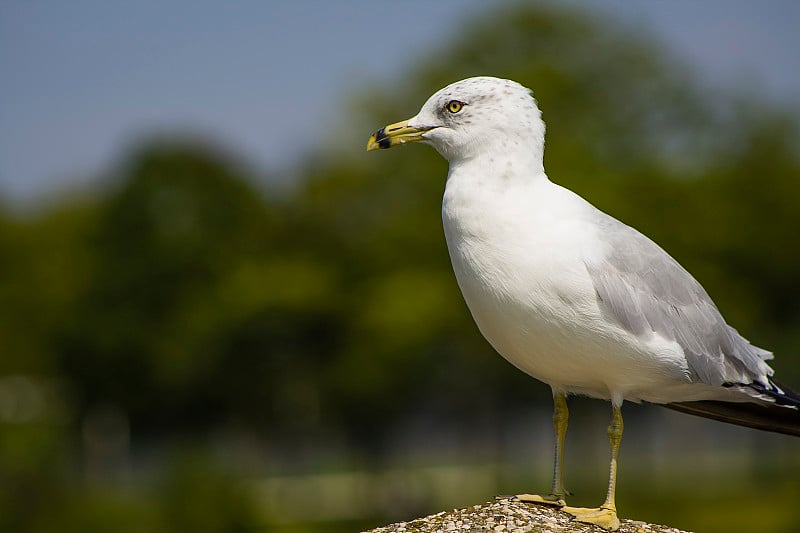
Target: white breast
point(518, 254)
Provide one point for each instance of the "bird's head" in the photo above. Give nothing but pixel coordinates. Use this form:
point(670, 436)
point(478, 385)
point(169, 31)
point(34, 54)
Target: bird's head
point(469, 116)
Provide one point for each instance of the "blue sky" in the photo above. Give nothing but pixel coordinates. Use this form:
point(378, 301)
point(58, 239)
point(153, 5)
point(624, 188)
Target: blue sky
point(81, 80)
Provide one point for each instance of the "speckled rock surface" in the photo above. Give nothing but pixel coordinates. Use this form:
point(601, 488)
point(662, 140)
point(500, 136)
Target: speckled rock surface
point(509, 516)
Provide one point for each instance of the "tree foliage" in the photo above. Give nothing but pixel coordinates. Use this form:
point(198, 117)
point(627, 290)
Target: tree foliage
point(190, 297)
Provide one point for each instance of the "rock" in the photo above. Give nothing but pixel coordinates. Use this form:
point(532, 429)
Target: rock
point(505, 515)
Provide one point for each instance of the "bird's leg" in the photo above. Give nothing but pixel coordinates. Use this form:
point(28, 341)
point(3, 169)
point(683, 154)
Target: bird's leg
point(558, 493)
point(606, 515)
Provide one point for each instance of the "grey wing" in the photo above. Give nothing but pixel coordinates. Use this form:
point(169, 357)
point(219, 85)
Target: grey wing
point(646, 290)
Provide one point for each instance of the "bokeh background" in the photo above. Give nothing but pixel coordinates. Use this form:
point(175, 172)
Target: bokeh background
point(220, 314)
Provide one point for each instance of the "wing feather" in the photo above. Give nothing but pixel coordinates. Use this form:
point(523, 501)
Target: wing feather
point(646, 290)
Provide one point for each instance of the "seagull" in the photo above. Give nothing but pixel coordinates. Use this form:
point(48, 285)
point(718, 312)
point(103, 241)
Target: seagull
point(572, 296)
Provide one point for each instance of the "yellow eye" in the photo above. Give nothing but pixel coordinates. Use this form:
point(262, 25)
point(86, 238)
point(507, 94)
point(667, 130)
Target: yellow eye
point(454, 106)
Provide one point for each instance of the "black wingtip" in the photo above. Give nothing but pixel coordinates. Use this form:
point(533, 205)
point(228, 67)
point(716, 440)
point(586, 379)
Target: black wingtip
point(776, 418)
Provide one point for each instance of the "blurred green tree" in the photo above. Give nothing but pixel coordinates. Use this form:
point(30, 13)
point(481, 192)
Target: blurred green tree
point(190, 298)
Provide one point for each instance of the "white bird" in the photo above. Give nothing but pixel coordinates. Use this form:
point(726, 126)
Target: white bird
point(572, 296)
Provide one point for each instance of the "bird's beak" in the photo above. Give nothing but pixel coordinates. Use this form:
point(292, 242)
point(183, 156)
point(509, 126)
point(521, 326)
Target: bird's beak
point(394, 134)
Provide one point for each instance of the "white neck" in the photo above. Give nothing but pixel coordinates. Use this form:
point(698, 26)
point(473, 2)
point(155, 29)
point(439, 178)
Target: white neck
point(498, 165)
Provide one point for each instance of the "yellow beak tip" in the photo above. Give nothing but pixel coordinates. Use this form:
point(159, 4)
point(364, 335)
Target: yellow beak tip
point(395, 134)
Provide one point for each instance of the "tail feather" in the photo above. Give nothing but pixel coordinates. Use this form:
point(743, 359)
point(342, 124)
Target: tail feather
point(780, 415)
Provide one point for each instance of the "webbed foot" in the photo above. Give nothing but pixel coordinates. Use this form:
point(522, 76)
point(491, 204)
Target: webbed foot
point(605, 517)
point(554, 500)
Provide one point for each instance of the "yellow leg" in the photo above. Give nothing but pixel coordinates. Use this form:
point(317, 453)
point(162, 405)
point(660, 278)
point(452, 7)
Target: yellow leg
point(558, 493)
point(606, 515)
